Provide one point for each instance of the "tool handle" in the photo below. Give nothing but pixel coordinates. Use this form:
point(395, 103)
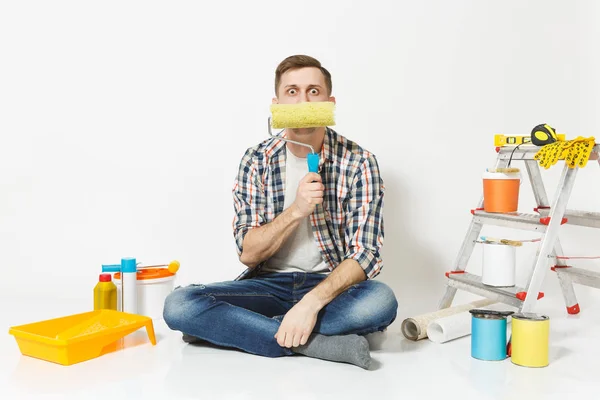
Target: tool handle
point(313, 162)
point(111, 268)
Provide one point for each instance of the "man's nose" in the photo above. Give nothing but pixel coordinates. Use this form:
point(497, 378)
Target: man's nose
point(304, 97)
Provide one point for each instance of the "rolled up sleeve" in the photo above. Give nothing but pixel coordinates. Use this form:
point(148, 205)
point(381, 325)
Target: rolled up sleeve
point(364, 231)
point(248, 200)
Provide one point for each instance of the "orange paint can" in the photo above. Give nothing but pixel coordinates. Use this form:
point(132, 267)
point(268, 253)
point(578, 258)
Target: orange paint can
point(501, 191)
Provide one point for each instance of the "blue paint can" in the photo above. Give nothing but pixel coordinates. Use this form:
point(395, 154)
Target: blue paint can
point(488, 334)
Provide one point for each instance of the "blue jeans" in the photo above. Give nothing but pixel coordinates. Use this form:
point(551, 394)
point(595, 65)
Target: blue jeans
point(246, 314)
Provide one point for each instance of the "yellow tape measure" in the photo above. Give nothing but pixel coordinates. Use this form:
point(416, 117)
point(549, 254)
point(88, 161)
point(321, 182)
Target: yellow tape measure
point(543, 134)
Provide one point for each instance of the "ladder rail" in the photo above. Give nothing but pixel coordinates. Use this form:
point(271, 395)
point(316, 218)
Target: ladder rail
point(541, 198)
point(548, 243)
point(537, 183)
point(568, 275)
point(565, 281)
point(465, 253)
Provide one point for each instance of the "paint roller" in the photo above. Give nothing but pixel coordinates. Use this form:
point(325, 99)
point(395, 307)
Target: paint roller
point(302, 115)
point(172, 267)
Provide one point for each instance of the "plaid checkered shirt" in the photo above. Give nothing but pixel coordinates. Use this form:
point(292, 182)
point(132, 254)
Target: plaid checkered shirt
point(349, 222)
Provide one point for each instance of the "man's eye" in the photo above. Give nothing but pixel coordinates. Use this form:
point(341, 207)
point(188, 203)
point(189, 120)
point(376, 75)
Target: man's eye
point(292, 91)
point(314, 91)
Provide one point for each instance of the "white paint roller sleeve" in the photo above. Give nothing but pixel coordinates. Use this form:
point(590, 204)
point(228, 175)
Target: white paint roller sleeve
point(415, 328)
point(455, 326)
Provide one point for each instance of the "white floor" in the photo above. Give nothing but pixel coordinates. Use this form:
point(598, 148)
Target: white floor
point(404, 369)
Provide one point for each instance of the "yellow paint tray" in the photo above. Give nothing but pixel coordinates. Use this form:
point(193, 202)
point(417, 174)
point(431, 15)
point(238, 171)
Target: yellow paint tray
point(80, 337)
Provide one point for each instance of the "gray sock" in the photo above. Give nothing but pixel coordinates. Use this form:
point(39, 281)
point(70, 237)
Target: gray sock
point(191, 339)
point(352, 349)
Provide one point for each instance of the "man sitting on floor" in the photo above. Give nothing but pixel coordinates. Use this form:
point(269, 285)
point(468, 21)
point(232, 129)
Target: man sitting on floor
point(311, 242)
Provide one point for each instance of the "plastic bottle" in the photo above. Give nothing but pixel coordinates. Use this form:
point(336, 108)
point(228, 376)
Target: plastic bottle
point(105, 293)
point(129, 285)
point(127, 270)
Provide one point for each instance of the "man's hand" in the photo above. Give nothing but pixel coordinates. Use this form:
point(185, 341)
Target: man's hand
point(297, 325)
point(309, 194)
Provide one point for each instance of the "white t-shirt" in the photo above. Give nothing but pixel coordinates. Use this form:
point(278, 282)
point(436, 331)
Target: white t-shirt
point(299, 253)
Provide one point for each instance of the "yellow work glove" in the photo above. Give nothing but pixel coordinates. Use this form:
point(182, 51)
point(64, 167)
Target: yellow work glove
point(575, 152)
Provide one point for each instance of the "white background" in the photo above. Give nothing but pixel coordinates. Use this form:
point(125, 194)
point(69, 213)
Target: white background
point(122, 124)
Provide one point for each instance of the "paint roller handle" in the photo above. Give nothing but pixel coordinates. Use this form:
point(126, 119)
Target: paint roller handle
point(111, 268)
point(173, 266)
point(313, 162)
point(312, 158)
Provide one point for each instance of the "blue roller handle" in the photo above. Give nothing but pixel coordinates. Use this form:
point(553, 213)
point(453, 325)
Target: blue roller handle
point(313, 162)
point(111, 268)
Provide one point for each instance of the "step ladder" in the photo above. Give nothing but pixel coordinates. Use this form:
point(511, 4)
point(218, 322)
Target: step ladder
point(546, 220)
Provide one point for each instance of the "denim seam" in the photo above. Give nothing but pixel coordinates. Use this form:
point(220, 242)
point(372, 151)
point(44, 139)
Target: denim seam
point(299, 284)
point(238, 294)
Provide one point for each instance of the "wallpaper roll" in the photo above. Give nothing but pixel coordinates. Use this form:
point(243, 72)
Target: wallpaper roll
point(415, 328)
point(458, 325)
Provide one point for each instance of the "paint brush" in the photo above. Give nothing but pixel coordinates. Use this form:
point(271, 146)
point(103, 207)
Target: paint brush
point(515, 243)
point(503, 170)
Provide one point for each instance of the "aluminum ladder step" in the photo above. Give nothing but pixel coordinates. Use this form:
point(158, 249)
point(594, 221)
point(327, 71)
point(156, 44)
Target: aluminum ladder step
point(580, 276)
point(530, 222)
point(513, 295)
point(528, 152)
point(575, 217)
point(536, 222)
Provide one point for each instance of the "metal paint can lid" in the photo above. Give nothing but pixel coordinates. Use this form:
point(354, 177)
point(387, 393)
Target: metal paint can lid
point(490, 314)
point(530, 317)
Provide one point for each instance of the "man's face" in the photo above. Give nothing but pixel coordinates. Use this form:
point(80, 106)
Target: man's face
point(302, 85)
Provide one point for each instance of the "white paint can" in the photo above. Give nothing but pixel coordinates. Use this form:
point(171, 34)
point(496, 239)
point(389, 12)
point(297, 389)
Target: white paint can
point(499, 265)
point(153, 287)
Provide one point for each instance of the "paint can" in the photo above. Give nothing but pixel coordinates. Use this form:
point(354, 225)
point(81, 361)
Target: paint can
point(153, 287)
point(499, 265)
point(530, 340)
point(501, 191)
point(488, 334)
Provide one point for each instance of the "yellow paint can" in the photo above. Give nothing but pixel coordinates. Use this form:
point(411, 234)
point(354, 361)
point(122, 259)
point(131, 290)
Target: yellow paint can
point(530, 340)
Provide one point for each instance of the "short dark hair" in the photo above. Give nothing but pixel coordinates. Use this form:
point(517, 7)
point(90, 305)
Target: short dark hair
point(301, 61)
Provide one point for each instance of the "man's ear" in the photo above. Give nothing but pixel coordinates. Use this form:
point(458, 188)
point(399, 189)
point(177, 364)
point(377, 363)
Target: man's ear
point(274, 101)
point(332, 99)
